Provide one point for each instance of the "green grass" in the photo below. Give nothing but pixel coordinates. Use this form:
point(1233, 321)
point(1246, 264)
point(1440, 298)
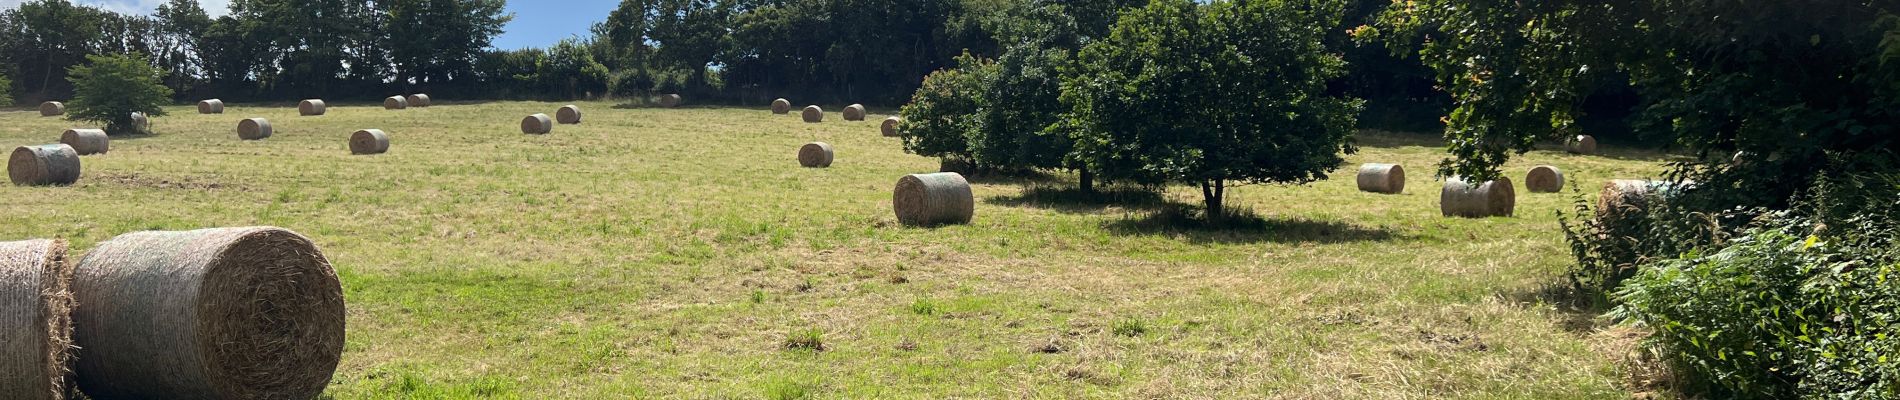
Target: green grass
point(676, 253)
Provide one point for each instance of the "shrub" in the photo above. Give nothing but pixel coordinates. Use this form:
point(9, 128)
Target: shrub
point(112, 87)
point(6, 91)
point(940, 117)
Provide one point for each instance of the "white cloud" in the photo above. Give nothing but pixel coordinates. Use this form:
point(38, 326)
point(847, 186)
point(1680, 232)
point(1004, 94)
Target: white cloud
point(213, 7)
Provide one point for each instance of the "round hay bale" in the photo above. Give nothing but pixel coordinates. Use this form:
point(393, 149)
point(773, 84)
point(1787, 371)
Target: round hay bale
point(813, 114)
point(815, 155)
point(52, 109)
point(369, 141)
point(395, 103)
point(537, 124)
point(212, 106)
point(87, 141)
point(253, 129)
point(670, 100)
point(1582, 144)
point(1490, 199)
point(44, 165)
point(854, 112)
point(312, 107)
point(781, 106)
point(36, 326)
point(141, 123)
point(933, 199)
point(417, 100)
point(1544, 179)
point(233, 313)
point(1382, 178)
point(890, 126)
point(568, 114)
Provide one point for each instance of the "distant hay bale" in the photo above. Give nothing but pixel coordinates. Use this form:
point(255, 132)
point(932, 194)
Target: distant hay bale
point(813, 114)
point(890, 126)
point(815, 155)
point(212, 106)
point(1544, 179)
point(417, 100)
point(537, 124)
point(670, 100)
point(311, 108)
point(36, 327)
point(253, 129)
point(141, 123)
point(52, 109)
point(1582, 144)
point(233, 313)
point(1382, 178)
point(854, 112)
point(781, 106)
point(933, 199)
point(395, 103)
point(44, 165)
point(1490, 199)
point(369, 141)
point(569, 114)
point(87, 141)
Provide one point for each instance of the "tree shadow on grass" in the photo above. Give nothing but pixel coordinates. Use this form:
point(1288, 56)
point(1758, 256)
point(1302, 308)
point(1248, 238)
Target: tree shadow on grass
point(1244, 226)
point(1580, 311)
point(1073, 200)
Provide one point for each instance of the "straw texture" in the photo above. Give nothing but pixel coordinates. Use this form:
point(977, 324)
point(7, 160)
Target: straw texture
point(212, 106)
point(369, 141)
point(87, 141)
point(933, 199)
point(854, 112)
point(417, 100)
point(781, 106)
point(1490, 199)
point(52, 109)
point(890, 126)
point(813, 114)
point(537, 124)
point(670, 100)
point(254, 129)
point(815, 155)
point(1382, 178)
point(233, 313)
point(568, 114)
point(141, 123)
point(43, 165)
point(36, 304)
point(1582, 144)
point(312, 107)
point(395, 103)
point(1544, 179)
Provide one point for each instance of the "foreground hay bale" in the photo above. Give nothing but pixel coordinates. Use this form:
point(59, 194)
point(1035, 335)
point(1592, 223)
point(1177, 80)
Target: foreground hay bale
point(36, 329)
point(890, 126)
point(933, 199)
point(1490, 199)
point(537, 124)
point(395, 103)
point(1382, 178)
point(813, 114)
point(1544, 179)
point(235, 313)
point(417, 100)
point(1623, 198)
point(312, 107)
point(670, 100)
point(52, 109)
point(1582, 144)
point(854, 112)
point(254, 129)
point(141, 123)
point(43, 165)
point(568, 114)
point(369, 141)
point(212, 106)
point(815, 155)
point(87, 141)
point(781, 106)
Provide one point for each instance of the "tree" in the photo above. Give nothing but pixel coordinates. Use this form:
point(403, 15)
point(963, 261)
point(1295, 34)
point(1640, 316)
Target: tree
point(180, 24)
point(112, 87)
point(571, 69)
point(1212, 94)
point(939, 121)
point(1016, 122)
point(6, 91)
point(46, 37)
point(435, 41)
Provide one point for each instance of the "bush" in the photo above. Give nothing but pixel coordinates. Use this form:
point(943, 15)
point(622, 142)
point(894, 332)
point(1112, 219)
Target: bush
point(6, 91)
point(112, 87)
point(940, 118)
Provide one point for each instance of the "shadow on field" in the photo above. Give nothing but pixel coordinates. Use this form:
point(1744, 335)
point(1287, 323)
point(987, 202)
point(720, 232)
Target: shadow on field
point(1069, 199)
point(1243, 227)
point(1388, 139)
point(1578, 311)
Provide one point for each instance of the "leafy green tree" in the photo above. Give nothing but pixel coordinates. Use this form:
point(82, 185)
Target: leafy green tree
point(180, 24)
point(1212, 94)
point(570, 69)
point(939, 120)
point(435, 41)
point(1016, 122)
point(44, 38)
point(112, 87)
point(6, 91)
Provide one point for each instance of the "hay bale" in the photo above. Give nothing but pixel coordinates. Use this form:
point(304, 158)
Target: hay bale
point(417, 100)
point(568, 114)
point(537, 124)
point(781, 106)
point(890, 126)
point(44, 165)
point(670, 100)
point(813, 114)
point(253, 129)
point(395, 103)
point(1490, 199)
point(369, 141)
point(1582, 144)
point(52, 109)
point(1544, 179)
point(212, 106)
point(234, 313)
point(141, 123)
point(312, 107)
point(854, 112)
point(87, 141)
point(933, 199)
point(36, 327)
point(1382, 178)
point(815, 155)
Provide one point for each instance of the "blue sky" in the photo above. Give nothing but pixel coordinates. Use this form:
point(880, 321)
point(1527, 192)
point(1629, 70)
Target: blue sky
point(538, 23)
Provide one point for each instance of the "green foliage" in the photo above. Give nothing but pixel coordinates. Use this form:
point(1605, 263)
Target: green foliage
point(1022, 102)
point(1212, 94)
point(6, 91)
point(937, 121)
point(112, 87)
point(570, 69)
point(431, 41)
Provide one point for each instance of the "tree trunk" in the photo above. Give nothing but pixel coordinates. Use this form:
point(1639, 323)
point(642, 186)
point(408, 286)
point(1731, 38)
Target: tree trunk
point(1088, 181)
point(1213, 193)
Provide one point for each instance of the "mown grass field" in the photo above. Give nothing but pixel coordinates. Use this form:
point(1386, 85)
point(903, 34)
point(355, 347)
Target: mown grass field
point(677, 253)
